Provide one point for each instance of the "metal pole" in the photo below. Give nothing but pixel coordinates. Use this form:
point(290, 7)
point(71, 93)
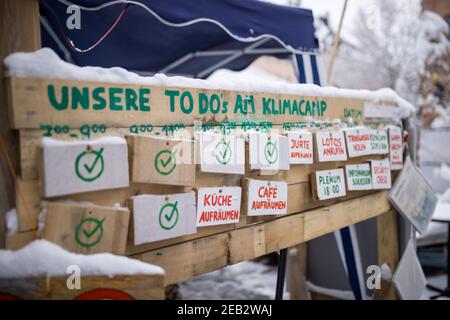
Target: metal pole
point(281, 275)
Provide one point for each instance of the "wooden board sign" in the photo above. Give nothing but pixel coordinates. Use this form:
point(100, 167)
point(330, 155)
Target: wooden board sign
point(378, 141)
point(162, 161)
point(68, 167)
point(34, 102)
point(381, 174)
point(83, 228)
point(329, 184)
point(266, 197)
point(222, 153)
point(159, 217)
point(300, 147)
point(268, 152)
point(331, 146)
point(358, 177)
point(358, 142)
point(395, 148)
point(218, 205)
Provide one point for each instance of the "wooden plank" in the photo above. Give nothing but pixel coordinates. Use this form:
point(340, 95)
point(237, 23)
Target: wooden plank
point(141, 287)
point(185, 260)
point(87, 228)
point(388, 251)
point(15, 241)
point(188, 259)
point(37, 101)
point(325, 220)
point(19, 22)
point(297, 272)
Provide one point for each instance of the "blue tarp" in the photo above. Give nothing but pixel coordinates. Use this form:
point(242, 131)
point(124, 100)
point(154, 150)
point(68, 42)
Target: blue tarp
point(153, 34)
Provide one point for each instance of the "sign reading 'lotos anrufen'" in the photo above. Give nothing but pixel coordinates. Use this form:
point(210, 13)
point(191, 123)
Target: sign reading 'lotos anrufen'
point(218, 205)
point(266, 197)
point(331, 146)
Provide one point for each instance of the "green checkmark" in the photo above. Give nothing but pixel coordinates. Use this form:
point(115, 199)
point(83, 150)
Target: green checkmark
point(165, 162)
point(223, 152)
point(166, 215)
point(271, 152)
point(88, 239)
point(88, 169)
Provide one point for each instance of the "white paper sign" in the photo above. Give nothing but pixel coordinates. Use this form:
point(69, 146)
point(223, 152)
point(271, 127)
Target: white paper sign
point(413, 197)
point(79, 166)
point(409, 278)
point(218, 205)
point(266, 197)
point(331, 146)
point(358, 142)
point(222, 153)
point(358, 177)
point(300, 147)
point(395, 148)
point(268, 152)
point(381, 174)
point(158, 217)
point(375, 110)
point(330, 184)
point(378, 141)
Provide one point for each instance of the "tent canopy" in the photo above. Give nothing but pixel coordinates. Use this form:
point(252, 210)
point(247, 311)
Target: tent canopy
point(183, 37)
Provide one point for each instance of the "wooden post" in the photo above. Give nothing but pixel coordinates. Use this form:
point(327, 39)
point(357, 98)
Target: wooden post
point(388, 252)
point(297, 264)
point(20, 32)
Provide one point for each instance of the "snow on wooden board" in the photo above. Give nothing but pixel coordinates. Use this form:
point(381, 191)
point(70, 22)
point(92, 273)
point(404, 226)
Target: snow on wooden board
point(69, 167)
point(41, 258)
point(61, 93)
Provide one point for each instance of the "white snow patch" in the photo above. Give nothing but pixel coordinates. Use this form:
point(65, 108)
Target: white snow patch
point(41, 258)
point(12, 221)
point(443, 172)
point(30, 64)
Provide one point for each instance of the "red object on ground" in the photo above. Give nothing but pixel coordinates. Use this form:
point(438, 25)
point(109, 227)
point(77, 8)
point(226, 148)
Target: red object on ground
point(104, 294)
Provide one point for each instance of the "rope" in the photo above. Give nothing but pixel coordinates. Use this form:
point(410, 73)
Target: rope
point(335, 45)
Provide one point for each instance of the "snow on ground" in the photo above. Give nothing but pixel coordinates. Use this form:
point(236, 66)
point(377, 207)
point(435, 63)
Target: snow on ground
point(40, 258)
point(245, 280)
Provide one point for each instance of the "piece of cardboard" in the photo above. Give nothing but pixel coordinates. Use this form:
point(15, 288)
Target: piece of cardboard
point(413, 197)
point(378, 141)
point(218, 205)
point(395, 147)
point(69, 167)
point(221, 153)
point(301, 150)
point(358, 142)
point(266, 197)
point(159, 217)
point(86, 228)
point(409, 278)
point(381, 174)
point(162, 161)
point(358, 177)
point(268, 152)
point(331, 146)
point(329, 184)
